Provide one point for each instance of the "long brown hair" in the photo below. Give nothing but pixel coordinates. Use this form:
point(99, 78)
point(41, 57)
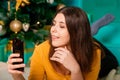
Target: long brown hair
point(81, 42)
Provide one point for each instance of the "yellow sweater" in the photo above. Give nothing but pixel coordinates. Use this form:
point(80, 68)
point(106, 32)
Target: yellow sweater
point(41, 67)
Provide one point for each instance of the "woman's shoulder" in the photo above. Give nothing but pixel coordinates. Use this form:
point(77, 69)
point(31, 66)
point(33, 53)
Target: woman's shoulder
point(42, 49)
point(44, 44)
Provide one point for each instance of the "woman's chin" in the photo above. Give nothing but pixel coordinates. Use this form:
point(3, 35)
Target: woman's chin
point(56, 45)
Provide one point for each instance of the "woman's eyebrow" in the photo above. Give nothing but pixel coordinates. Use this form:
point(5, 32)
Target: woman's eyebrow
point(59, 22)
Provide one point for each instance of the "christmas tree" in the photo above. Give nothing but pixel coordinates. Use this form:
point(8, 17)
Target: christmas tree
point(27, 19)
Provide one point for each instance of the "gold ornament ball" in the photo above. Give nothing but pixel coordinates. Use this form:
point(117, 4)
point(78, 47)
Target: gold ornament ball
point(15, 26)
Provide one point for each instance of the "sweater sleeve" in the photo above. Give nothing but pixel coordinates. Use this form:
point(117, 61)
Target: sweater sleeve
point(93, 75)
point(36, 65)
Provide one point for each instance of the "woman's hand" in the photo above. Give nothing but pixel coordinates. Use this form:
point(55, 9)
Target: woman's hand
point(66, 58)
point(12, 67)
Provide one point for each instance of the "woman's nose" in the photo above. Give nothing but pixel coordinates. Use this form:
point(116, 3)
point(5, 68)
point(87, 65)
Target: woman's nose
point(54, 29)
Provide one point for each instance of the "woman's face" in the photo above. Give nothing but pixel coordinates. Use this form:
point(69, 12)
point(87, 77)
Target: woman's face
point(59, 32)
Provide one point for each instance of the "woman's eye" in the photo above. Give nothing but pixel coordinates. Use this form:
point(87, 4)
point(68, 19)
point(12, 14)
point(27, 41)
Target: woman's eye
point(62, 26)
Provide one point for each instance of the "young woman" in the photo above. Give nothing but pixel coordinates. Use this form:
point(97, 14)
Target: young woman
point(69, 54)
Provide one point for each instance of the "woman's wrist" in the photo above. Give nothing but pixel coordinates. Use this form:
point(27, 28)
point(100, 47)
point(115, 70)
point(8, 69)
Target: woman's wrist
point(18, 77)
point(76, 69)
point(76, 74)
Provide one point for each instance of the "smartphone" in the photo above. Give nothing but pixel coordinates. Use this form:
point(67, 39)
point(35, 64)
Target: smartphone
point(18, 48)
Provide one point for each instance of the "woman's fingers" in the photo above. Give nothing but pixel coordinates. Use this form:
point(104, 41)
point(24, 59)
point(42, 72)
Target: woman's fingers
point(14, 66)
point(15, 71)
point(14, 58)
point(59, 56)
point(65, 57)
point(14, 55)
point(56, 59)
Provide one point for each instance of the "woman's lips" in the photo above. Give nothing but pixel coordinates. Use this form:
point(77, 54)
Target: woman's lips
point(54, 37)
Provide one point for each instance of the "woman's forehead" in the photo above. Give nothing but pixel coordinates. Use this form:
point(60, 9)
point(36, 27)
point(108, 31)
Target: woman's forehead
point(59, 18)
